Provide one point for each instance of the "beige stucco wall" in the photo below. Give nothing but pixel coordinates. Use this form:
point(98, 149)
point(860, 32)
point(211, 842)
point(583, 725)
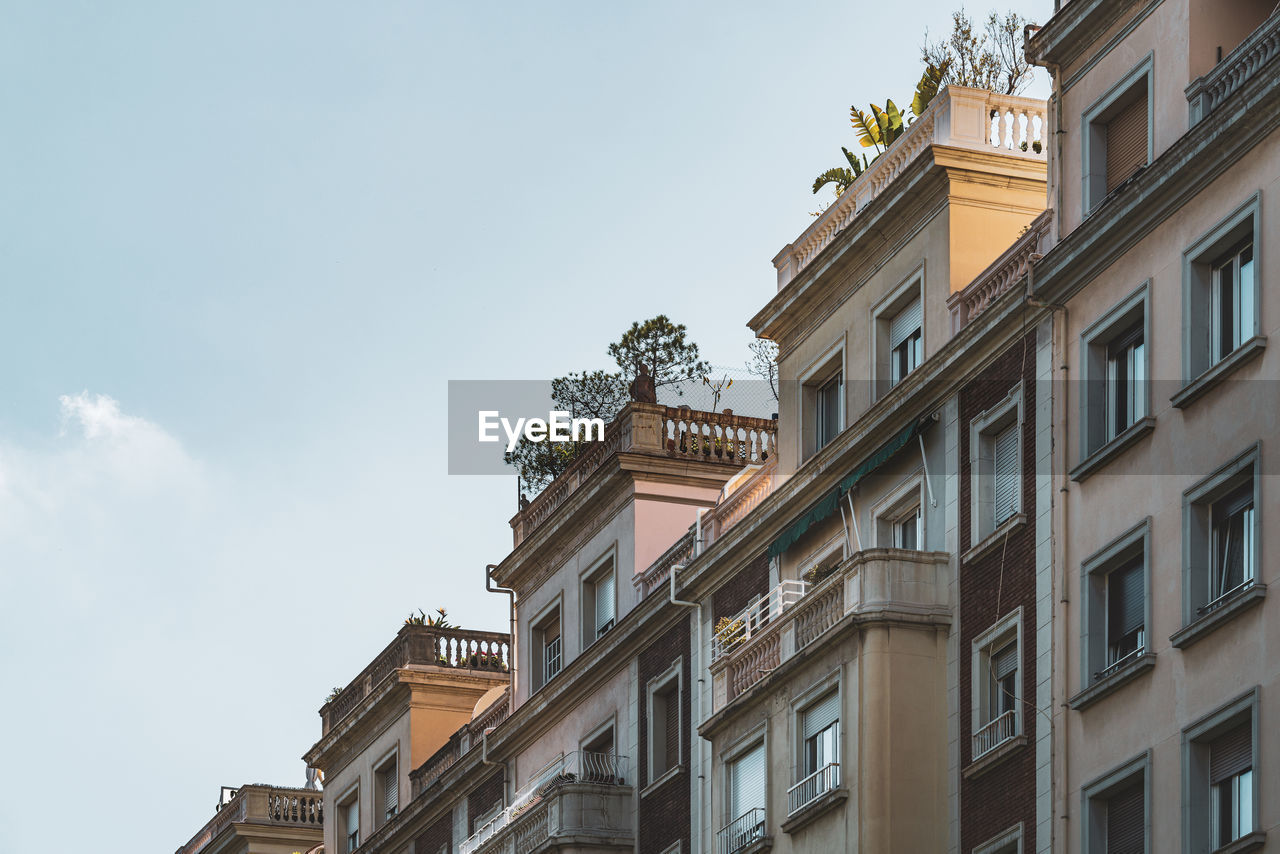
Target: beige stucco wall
point(357, 775)
point(1148, 481)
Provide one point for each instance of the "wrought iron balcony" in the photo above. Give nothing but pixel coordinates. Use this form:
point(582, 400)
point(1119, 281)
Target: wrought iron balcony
point(741, 832)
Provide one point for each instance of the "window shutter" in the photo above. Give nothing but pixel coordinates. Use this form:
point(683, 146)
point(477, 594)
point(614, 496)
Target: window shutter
point(672, 735)
point(1126, 824)
point(747, 782)
point(391, 792)
point(353, 818)
point(1127, 611)
point(1127, 141)
point(1231, 753)
point(905, 323)
point(604, 600)
point(821, 714)
point(1004, 662)
point(1005, 468)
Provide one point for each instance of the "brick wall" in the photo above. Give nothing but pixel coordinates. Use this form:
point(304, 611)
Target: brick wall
point(435, 837)
point(483, 798)
point(665, 811)
point(991, 587)
point(734, 595)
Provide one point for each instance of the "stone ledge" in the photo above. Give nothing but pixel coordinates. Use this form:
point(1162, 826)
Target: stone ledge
point(990, 541)
point(994, 757)
point(815, 808)
point(1251, 842)
point(1112, 682)
point(1127, 438)
point(1202, 626)
point(1199, 386)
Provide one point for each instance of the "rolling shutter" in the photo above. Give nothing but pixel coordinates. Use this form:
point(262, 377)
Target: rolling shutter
point(905, 323)
point(1005, 468)
point(1126, 611)
point(671, 737)
point(604, 601)
point(391, 791)
point(1231, 753)
point(1004, 662)
point(821, 714)
point(1127, 141)
point(1126, 822)
point(747, 782)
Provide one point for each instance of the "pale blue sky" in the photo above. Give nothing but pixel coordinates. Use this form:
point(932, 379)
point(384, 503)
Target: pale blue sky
point(269, 233)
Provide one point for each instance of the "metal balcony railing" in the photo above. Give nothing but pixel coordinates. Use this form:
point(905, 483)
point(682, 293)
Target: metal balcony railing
point(753, 619)
point(581, 766)
point(817, 784)
point(741, 832)
point(994, 734)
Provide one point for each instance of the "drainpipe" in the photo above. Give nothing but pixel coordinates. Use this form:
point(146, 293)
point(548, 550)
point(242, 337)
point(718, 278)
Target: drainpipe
point(511, 654)
point(695, 648)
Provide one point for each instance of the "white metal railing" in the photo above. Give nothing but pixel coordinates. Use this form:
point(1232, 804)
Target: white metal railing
point(817, 784)
point(757, 616)
point(996, 733)
point(1218, 602)
point(742, 831)
point(580, 766)
point(1119, 662)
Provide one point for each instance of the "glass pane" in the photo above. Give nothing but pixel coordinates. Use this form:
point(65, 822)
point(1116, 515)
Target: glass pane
point(1246, 325)
point(1245, 803)
point(1138, 370)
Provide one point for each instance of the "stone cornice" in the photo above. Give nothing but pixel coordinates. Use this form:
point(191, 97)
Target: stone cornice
point(1158, 191)
point(1076, 26)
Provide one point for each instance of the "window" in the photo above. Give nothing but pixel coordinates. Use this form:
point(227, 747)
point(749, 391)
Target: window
point(1221, 536)
point(599, 604)
point(819, 760)
point(1220, 299)
point(349, 822)
point(746, 773)
point(1116, 810)
point(386, 792)
point(1221, 753)
point(822, 401)
point(1009, 842)
point(830, 397)
point(906, 341)
point(997, 688)
point(600, 758)
point(664, 723)
point(906, 530)
point(1117, 142)
point(898, 518)
point(1116, 609)
point(1115, 368)
point(996, 466)
point(547, 648)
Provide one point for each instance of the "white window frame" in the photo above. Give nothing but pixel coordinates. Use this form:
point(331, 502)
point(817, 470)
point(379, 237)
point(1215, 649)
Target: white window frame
point(820, 371)
point(983, 430)
point(800, 705)
point(1094, 122)
point(1198, 549)
point(893, 508)
point(658, 685)
point(587, 581)
point(1196, 791)
point(910, 289)
point(1133, 545)
point(1098, 431)
point(992, 640)
point(759, 736)
point(1006, 842)
point(538, 647)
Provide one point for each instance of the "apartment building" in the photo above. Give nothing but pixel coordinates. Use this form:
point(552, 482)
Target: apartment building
point(1165, 173)
point(258, 819)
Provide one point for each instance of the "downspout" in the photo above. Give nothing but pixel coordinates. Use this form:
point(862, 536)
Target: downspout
point(697, 713)
point(511, 655)
point(1059, 543)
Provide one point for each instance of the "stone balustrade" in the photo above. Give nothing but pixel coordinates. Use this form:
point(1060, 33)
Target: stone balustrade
point(262, 805)
point(1003, 274)
point(872, 584)
point(463, 740)
point(655, 577)
point(1250, 58)
point(656, 430)
point(425, 646)
point(958, 117)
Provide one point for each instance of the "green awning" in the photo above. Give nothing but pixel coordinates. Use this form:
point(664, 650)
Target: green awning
point(824, 508)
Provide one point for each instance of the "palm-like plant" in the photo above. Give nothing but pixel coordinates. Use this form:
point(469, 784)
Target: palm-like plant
point(878, 128)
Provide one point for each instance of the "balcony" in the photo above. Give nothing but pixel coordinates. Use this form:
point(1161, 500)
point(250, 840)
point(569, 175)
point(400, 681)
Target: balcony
point(995, 733)
point(1003, 274)
point(812, 788)
point(739, 834)
point(265, 806)
point(459, 744)
point(421, 646)
point(958, 117)
point(872, 584)
point(756, 617)
point(1250, 58)
point(580, 802)
point(659, 431)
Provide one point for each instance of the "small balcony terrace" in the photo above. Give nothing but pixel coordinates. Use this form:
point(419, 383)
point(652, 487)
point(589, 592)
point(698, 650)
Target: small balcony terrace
point(1252, 57)
point(268, 806)
point(715, 438)
point(425, 647)
point(581, 801)
point(796, 615)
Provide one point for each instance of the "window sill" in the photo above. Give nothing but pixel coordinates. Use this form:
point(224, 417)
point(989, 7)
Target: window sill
point(1202, 626)
point(1193, 390)
point(1250, 842)
point(1112, 682)
point(815, 808)
point(994, 757)
point(1108, 452)
point(663, 780)
point(755, 846)
point(993, 539)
